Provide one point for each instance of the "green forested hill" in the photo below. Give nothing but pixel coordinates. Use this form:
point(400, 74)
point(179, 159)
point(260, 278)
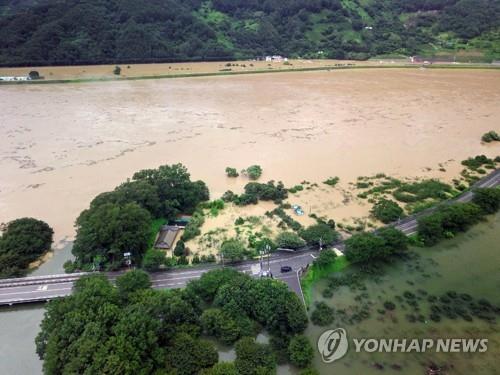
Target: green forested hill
point(106, 31)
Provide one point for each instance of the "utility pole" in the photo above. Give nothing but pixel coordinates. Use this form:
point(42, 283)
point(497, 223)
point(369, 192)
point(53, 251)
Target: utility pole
point(268, 249)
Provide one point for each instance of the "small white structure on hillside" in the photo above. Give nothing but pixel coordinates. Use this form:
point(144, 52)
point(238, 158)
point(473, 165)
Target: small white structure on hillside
point(276, 58)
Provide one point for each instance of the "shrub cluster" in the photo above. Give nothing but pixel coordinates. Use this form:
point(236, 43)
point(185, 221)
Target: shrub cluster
point(255, 191)
point(422, 190)
point(387, 211)
point(479, 161)
point(490, 136)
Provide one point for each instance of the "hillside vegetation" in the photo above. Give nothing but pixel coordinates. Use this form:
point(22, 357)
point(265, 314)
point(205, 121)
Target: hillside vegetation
point(104, 31)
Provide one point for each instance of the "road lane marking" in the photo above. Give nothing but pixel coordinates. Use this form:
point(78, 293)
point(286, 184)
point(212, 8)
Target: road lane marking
point(33, 292)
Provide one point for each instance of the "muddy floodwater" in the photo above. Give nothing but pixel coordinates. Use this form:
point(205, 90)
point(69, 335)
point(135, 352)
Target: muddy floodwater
point(62, 144)
point(468, 265)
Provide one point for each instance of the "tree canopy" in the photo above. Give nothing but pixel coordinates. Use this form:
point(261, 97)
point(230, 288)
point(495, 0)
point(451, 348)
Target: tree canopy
point(233, 250)
point(97, 31)
point(368, 247)
point(447, 221)
point(132, 329)
point(319, 233)
point(289, 240)
point(22, 242)
point(120, 221)
point(488, 199)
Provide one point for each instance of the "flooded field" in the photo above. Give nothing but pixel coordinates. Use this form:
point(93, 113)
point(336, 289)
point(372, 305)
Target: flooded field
point(62, 144)
point(468, 265)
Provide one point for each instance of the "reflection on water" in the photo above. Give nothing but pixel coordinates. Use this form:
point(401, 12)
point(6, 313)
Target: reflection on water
point(468, 264)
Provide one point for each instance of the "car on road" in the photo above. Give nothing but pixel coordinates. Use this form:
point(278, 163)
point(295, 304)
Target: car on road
point(285, 269)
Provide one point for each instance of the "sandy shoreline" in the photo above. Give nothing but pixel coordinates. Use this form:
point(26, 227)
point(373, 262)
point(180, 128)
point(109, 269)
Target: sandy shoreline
point(63, 144)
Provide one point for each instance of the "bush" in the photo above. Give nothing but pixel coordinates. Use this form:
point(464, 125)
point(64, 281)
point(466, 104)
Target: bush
point(422, 190)
point(153, 260)
point(490, 136)
point(296, 189)
point(387, 211)
point(322, 314)
point(193, 228)
point(117, 70)
point(300, 351)
point(253, 172)
point(228, 196)
point(232, 172)
point(289, 240)
point(180, 248)
point(287, 219)
point(389, 305)
point(477, 162)
point(233, 250)
point(255, 191)
point(332, 181)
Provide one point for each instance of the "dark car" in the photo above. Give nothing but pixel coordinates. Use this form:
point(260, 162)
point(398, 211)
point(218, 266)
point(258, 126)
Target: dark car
point(286, 269)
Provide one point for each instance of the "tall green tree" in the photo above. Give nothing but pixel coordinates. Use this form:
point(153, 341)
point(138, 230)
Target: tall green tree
point(108, 231)
point(317, 234)
point(22, 242)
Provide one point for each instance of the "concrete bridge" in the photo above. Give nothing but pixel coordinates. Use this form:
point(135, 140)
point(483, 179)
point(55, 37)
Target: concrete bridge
point(45, 288)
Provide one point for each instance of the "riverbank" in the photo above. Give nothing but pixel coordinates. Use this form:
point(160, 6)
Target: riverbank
point(230, 72)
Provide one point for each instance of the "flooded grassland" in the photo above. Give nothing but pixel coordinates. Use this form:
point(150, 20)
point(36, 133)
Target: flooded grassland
point(447, 291)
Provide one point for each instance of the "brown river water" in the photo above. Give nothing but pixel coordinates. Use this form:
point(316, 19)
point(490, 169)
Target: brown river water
point(62, 144)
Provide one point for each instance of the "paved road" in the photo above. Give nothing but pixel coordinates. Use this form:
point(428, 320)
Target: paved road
point(40, 289)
